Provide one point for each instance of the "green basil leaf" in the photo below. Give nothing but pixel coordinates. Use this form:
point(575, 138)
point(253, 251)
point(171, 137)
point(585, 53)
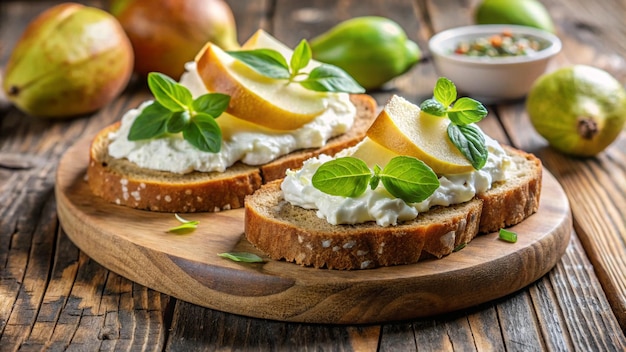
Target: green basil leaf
point(445, 91)
point(150, 123)
point(409, 179)
point(204, 133)
point(301, 57)
point(242, 257)
point(178, 121)
point(268, 62)
point(433, 107)
point(470, 142)
point(466, 111)
point(375, 180)
point(329, 78)
point(168, 92)
point(213, 104)
point(346, 177)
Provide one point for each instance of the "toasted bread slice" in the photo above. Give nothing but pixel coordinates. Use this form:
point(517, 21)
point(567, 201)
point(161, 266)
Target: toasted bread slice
point(122, 182)
point(288, 232)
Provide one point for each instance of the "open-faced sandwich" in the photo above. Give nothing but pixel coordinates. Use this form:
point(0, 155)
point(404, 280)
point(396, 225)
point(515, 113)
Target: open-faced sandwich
point(424, 181)
point(234, 121)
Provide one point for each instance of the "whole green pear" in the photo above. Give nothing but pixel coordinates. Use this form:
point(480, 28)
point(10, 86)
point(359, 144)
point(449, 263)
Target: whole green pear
point(70, 60)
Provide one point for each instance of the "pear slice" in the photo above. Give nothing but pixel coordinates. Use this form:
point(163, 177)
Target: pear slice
point(373, 153)
point(255, 98)
point(402, 128)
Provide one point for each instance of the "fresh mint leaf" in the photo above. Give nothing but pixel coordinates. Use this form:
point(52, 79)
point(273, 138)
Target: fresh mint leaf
point(445, 91)
point(329, 78)
point(345, 177)
point(178, 121)
point(433, 107)
point(213, 104)
point(301, 57)
point(466, 111)
point(175, 111)
point(463, 112)
point(168, 92)
point(375, 180)
point(409, 179)
point(204, 133)
point(470, 142)
point(324, 78)
point(267, 62)
point(242, 257)
point(150, 123)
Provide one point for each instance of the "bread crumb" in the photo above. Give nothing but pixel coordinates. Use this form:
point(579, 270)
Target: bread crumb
point(136, 195)
point(336, 248)
point(124, 183)
point(142, 185)
point(326, 243)
point(168, 198)
point(349, 244)
point(188, 191)
point(199, 199)
point(381, 246)
point(158, 197)
point(361, 253)
point(118, 201)
point(226, 207)
point(447, 240)
point(365, 264)
point(300, 239)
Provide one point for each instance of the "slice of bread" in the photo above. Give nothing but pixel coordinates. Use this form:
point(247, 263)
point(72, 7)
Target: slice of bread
point(288, 232)
point(122, 182)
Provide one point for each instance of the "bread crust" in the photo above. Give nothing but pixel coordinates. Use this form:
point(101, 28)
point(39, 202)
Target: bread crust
point(509, 203)
point(291, 233)
point(121, 182)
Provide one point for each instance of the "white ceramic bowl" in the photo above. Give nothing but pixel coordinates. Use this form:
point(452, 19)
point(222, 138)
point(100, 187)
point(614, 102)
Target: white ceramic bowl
point(491, 79)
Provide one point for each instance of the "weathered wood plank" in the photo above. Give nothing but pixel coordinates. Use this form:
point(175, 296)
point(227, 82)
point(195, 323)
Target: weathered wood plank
point(596, 194)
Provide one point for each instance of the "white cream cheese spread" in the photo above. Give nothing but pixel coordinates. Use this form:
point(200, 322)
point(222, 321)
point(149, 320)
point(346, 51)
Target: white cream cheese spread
point(380, 206)
point(253, 146)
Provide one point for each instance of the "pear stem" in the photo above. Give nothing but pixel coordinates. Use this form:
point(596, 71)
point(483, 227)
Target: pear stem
point(587, 127)
point(13, 91)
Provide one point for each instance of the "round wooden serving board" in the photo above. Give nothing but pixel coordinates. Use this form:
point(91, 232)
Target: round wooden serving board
point(136, 245)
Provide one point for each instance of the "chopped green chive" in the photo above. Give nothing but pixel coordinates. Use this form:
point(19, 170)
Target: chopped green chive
point(508, 236)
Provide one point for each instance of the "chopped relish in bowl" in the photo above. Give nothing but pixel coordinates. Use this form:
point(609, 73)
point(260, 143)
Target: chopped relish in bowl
point(499, 45)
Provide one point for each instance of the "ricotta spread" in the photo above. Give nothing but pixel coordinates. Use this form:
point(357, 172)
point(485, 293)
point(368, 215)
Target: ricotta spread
point(253, 146)
point(380, 206)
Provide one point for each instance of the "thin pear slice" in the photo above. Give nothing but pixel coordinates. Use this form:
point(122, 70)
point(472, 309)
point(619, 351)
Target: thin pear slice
point(255, 98)
point(401, 128)
point(373, 153)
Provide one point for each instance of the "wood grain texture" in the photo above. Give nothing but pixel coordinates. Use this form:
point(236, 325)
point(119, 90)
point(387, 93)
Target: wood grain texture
point(567, 310)
point(135, 244)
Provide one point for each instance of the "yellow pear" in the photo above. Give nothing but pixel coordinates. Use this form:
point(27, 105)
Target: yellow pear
point(402, 127)
point(255, 98)
point(71, 60)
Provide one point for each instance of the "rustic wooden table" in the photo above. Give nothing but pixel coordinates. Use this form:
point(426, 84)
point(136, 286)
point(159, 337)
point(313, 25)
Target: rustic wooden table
point(54, 297)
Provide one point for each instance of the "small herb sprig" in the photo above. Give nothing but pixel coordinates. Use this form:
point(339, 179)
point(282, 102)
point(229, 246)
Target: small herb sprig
point(272, 64)
point(186, 226)
point(403, 177)
point(174, 111)
point(245, 257)
point(465, 111)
